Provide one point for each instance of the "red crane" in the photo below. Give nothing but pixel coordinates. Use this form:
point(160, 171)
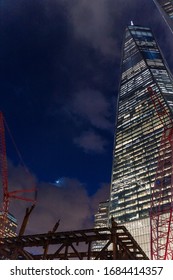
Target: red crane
point(161, 213)
point(6, 194)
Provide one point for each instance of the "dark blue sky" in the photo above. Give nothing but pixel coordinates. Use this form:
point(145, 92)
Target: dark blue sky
point(59, 76)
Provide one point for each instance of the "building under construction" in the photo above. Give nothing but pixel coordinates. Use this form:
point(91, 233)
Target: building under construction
point(118, 244)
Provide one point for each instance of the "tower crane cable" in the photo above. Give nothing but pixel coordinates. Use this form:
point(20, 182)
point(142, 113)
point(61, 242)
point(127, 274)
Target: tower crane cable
point(14, 193)
point(15, 146)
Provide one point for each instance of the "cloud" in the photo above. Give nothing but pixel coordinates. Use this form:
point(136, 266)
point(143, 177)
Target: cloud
point(90, 141)
point(91, 111)
point(70, 203)
point(99, 22)
point(94, 22)
point(21, 180)
point(92, 106)
point(91, 21)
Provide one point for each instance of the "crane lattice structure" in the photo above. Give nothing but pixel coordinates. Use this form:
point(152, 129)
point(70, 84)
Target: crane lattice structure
point(161, 214)
point(6, 194)
point(119, 243)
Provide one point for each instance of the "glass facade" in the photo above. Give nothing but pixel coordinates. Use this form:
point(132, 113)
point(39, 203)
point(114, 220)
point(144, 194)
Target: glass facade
point(11, 226)
point(167, 6)
point(138, 131)
point(101, 221)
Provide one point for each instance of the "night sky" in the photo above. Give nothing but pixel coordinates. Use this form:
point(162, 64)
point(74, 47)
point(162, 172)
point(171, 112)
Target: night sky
point(59, 77)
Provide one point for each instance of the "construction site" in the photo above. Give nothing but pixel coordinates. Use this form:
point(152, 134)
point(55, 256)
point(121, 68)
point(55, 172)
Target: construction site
point(119, 244)
point(142, 175)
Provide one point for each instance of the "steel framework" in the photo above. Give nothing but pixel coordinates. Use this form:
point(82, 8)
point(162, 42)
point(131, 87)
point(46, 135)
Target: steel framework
point(161, 214)
point(119, 244)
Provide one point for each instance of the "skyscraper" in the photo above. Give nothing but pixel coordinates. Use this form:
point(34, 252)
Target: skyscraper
point(138, 131)
point(167, 6)
point(11, 225)
point(101, 221)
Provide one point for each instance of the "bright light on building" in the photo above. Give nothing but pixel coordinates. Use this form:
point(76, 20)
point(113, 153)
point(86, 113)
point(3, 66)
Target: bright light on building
point(11, 226)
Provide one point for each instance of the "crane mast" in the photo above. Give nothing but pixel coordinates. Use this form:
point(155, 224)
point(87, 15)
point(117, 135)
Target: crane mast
point(6, 194)
point(161, 213)
point(4, 177)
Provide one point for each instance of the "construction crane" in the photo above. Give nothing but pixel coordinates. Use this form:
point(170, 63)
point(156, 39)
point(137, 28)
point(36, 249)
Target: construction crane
point(161, 213)
point(6, 194)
